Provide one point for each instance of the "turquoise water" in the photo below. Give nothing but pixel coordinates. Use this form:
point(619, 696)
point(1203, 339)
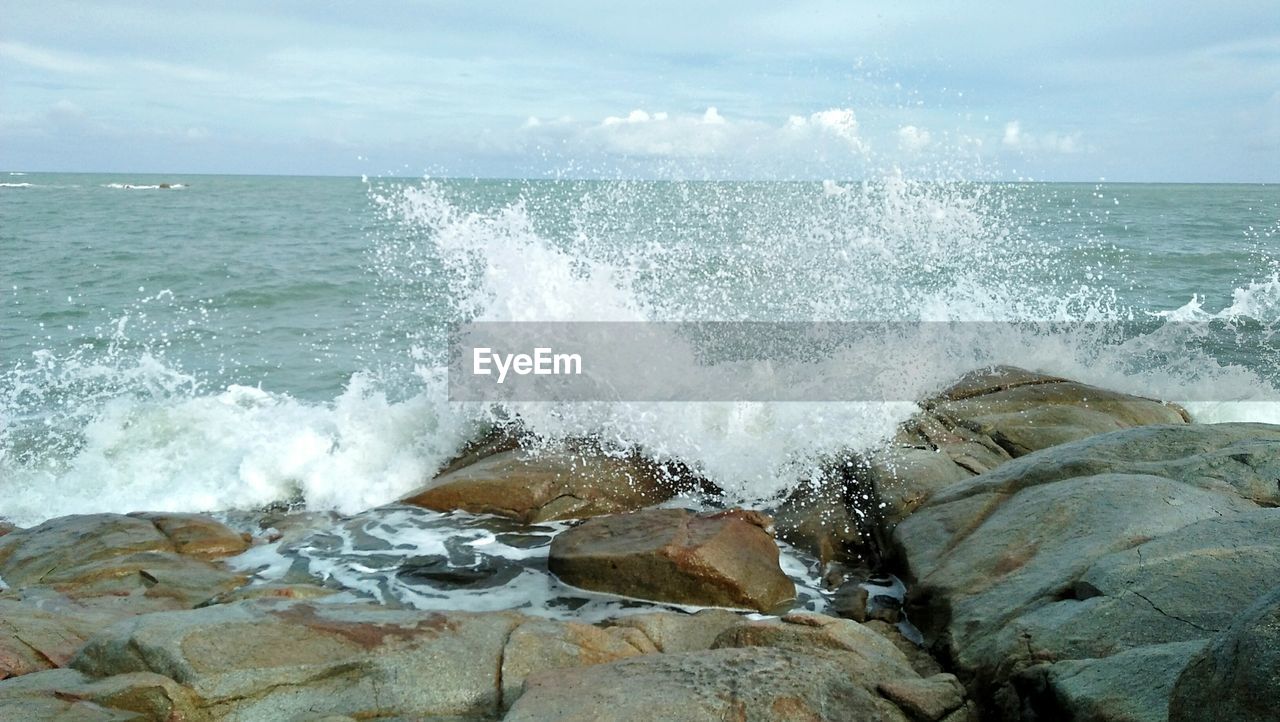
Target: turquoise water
point(230, 341)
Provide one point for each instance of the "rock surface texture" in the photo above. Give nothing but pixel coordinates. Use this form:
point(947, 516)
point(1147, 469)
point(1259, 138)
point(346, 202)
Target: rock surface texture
point(1076, 582)
point(1236, 676)
point(535, 487)
point(727, 559)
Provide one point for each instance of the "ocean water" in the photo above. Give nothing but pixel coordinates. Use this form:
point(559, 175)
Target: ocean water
point(228, 343)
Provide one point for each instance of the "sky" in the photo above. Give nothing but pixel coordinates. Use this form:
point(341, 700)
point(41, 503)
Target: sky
point(1123, 91)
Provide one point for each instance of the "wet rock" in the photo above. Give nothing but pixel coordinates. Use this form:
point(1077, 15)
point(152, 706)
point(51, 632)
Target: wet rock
point(818, 519)
point(725, 559)
point(535, 487)
point(1036, 412)
point(270, 591)
point(850, 602)
point(921, 661)
point(1055, 592)
point(66, 694)
point(993, 415)
point(196, 535)
point(1236, 677)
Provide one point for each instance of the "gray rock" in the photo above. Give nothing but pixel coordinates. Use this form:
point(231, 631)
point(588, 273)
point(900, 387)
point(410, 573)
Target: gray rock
point(759, 684)
point(1130, 686)
point(1054, 593)
point(65, 694)
point(1236, 677)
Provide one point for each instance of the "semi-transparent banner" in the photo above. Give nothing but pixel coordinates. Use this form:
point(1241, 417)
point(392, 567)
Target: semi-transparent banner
point(883, 361)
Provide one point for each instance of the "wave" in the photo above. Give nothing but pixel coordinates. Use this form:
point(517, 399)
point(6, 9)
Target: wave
point(17, 185)
point(154, 187)
point(134, 431)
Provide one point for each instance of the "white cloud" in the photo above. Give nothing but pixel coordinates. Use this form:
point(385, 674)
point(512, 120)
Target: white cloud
point(43, 59)
point(641, 133)
point(1052, 142)
point(913, 139)
point(837, 122)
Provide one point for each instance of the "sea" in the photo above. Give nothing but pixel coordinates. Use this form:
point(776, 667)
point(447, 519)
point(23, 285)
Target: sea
point(232, 343)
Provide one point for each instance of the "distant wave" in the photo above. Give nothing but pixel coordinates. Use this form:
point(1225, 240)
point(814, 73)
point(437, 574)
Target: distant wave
point(17, 185)
point(156, 187)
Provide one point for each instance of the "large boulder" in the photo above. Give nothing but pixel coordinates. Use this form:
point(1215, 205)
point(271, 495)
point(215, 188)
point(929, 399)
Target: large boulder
point(1236, 677)
point(804, 667)
point(726, 559)
point(990, 416)
point(537, 486)
point(1061, 581)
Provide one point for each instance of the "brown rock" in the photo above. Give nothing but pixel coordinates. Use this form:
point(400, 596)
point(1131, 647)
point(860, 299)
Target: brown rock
point(927, 699)
point(673, 555)
point(534, 487)
point(196, 535)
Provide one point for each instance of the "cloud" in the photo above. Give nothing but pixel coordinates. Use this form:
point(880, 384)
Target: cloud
point(663, 135)
point(837, 122)
point(50, 60)
point(1052, 142)
point(913, 139)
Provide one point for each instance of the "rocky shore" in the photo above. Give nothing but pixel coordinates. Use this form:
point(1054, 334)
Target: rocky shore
point(1067, 553)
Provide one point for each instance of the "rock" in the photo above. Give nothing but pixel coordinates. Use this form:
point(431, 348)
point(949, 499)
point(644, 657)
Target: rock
point(540, 644)
point(1239, 459)
point(850, 602)
point(6, 527)
point(870, 659)
point(818, 519)
point(65, 694)
point(988, 417)
point(536, 487)
point(1057, 593)
point(725, 559)
point(802, 667)
point(34, 639)
point(280, 660)
point(1130, 685)
point(749, 685)
point(673, 632)
point(1236, 677)
point(921, 661)
point(1024, 412)
point(925, 699)
point(196, 535)
point(270, 591)
point(126, 563)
